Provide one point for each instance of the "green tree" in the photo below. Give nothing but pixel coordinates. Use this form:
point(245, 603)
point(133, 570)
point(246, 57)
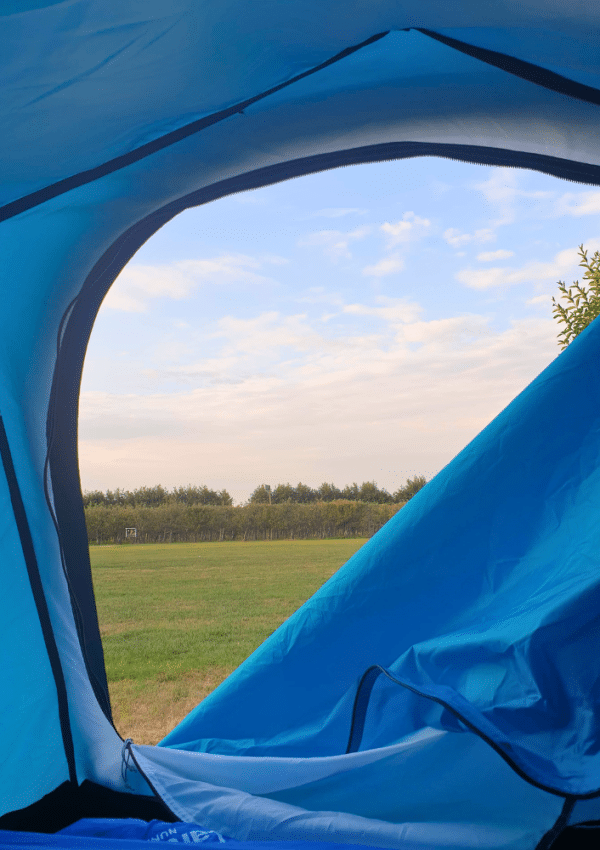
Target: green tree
point(304, 493)
point(583, 305)
point(93, 497)
point(260, 496)
point(283, 493)
point(150, 497)
point(351, 492)
point(370, 492)
point(328, 492)
point(412, 486)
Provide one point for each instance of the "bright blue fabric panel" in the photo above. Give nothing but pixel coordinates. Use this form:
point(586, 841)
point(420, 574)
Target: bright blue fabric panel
point(483, 591)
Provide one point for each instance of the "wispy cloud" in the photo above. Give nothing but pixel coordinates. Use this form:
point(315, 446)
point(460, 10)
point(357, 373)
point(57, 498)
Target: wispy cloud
point(420, 388)
point(409, 228)
point(335, 243)
point(394, 311)
point(578, 203)
point(534, 271)
point(490, 256)
point(388, 265)
point(458, 240)
point(137, 285)
point(503, 189)
point(544, 301)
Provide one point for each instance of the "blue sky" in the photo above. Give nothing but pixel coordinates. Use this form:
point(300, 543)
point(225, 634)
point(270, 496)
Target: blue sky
point(361, 324)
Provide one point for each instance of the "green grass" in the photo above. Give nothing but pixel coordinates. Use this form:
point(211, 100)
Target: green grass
point(176, 619)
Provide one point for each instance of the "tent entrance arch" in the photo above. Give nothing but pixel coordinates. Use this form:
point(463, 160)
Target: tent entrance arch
point(91, 92)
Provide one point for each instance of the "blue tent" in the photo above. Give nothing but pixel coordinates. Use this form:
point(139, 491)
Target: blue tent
point(441, 690)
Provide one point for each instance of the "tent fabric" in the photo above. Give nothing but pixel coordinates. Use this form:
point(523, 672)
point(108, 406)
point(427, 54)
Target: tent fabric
point(137, 829)
point(499, 675)
point(479, 600)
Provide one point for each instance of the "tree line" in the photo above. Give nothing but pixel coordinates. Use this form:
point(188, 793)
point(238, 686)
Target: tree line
point(175, 522)
point(368, 492)
point(196, 513)
point(154, 497)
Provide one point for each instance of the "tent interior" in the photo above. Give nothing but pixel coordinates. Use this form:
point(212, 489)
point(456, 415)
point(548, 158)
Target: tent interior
point(441, 690)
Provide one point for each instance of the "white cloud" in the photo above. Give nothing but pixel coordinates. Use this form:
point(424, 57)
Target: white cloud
point(457, 239)
point(408, 229)
point(502, 186)
point(395, 311)
point(502, 189)
point(540, 301)
point(536, 272)
point(263, 334)
point(137, 285)
point(490, 256)
point(388, 265)
point(578, 203)
point(335, 242)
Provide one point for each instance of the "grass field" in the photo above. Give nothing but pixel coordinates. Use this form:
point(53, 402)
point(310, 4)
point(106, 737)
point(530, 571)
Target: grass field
point(176, 619)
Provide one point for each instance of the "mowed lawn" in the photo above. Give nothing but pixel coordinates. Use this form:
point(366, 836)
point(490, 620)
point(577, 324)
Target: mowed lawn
point(177, 618)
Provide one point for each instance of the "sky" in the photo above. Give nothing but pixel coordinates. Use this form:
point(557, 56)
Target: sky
point(361, 324)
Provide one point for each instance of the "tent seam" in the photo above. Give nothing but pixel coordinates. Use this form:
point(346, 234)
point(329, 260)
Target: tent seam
point(100, 689)
point(359, 713)
point(535, 74)
point(40, 196)
point(547, 840)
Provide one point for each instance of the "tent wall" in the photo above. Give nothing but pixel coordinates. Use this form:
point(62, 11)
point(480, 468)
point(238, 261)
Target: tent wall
point(116, 121)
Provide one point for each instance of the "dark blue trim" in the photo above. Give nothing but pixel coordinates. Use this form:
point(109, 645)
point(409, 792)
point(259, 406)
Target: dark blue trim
point(520, 68)
point(39, 598)
point(359, 714)
point(79, 574)
point(42, 195)
point(361, 704)
point(550, 837)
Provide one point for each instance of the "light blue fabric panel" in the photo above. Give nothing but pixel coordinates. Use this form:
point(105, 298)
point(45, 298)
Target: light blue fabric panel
point(46, 278)
point(433, 790)
point(484, 589)
point(32, 757)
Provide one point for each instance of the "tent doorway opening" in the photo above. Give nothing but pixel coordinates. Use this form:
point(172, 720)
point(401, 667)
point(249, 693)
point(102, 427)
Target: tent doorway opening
point(359, 325)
